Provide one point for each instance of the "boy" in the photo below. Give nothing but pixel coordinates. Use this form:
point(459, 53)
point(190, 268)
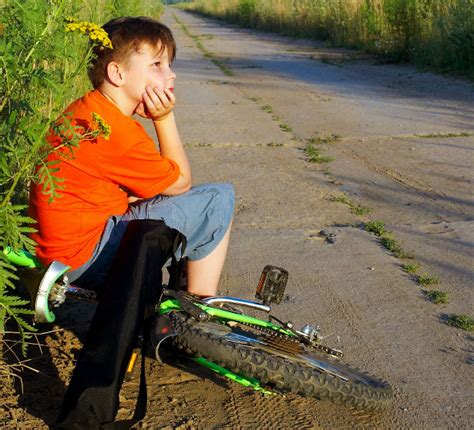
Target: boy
point(84, 227)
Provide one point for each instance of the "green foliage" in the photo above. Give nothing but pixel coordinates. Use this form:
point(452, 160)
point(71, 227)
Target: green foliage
point(433, 33)
point(377, 227)
point(394, 246)
point(42, 69)
point(410, 268)
point(246, 9)
point(388, 241)
point(208, 54)
point(437, 297)
point(463, 322)
point(427, 280)
point(313, 149)
point(355, 208)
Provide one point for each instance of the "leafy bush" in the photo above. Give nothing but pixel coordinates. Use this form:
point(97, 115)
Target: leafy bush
point(463, 322)
point(42, 69)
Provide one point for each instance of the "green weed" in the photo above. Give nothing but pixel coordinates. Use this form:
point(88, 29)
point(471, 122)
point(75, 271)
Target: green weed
point(377, 227)
point(313, 155)
point(208, 54)
point(437, 297)
point(361, 210)
point(391, 244)
point(427, 280)
point(267, 108)
point(461, 321)
point(410, 268)
point(322, 140)
point(464, 134)
point(285, 127)
point(355, 208)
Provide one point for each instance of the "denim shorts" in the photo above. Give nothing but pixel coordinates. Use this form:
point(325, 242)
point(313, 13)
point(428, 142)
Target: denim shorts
point(203, 215)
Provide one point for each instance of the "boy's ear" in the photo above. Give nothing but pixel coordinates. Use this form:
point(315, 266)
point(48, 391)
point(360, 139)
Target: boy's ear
point(116, 73)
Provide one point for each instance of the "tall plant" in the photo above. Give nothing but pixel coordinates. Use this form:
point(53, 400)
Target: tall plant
point(42, 69)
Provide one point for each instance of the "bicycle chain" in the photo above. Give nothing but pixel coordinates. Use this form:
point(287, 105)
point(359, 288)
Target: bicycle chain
point(294, 339)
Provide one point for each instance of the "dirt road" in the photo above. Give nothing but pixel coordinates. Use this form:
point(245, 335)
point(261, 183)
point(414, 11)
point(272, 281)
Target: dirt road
point(247, 104)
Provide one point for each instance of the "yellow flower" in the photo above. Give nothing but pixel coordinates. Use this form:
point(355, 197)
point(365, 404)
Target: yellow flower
point(102, 128)
point(93, 31)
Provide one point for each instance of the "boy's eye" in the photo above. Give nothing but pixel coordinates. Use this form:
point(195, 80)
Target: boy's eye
point(158, 63)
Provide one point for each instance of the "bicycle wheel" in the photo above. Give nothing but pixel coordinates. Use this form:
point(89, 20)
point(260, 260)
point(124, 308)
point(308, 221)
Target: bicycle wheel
point(280, 362)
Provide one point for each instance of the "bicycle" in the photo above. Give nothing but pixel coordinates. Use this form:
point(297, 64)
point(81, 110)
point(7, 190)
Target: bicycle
point(269, 356)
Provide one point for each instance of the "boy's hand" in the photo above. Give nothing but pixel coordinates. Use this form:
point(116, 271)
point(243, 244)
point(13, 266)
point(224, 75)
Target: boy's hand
point(156, 104)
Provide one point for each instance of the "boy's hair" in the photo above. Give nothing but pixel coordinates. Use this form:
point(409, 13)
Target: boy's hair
point(127, 34)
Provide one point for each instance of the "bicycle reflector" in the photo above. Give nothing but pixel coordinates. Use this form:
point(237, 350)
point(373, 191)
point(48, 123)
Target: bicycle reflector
point(272, 284)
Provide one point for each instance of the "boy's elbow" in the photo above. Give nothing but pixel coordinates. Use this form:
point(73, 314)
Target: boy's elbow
point(186, 187)
point(187, 183)
point(182, 185)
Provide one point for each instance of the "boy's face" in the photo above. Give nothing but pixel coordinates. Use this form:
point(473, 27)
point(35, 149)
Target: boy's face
point(146, 68)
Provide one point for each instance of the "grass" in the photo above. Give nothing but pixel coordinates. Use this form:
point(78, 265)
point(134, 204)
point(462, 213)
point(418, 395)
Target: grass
point(226, 70)
point(427, 280)
point(410, 268)
point(437, 297)
point(267, 108)
point(323, 140)
point(355, 208)
point(394, 246)
point(313, 153)
point(388, 241)
point(461, 321)
point(377, 227)
point(464, 134)
point(434, 34)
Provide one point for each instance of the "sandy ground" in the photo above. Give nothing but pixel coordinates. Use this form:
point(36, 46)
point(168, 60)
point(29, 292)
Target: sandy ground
point(353, 288)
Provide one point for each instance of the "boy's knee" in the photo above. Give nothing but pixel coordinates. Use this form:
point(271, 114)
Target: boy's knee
point(227, 199)
point(228, 194)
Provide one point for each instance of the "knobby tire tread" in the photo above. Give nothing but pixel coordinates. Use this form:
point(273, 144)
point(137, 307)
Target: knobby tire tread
point(276, 370)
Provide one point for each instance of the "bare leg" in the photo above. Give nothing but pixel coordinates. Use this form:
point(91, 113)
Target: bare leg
point(203, 275)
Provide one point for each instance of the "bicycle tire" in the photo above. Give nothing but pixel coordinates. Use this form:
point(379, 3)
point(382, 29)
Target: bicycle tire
point(249, 354)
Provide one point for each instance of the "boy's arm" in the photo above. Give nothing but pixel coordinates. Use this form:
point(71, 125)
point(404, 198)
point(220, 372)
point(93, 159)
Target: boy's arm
point(158, 105)
point(171, 147)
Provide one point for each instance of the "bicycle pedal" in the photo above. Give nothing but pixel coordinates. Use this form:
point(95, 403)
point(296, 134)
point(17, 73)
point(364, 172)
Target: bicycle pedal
point(272, 284)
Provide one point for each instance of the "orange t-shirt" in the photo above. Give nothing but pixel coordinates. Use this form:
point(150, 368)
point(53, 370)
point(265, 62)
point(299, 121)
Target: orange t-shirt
point(95, 178)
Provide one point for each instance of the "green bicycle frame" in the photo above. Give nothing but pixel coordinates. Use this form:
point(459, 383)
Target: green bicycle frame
point(221, 314)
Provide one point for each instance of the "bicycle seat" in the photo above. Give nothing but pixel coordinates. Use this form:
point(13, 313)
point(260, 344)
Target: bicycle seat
point(40, 281)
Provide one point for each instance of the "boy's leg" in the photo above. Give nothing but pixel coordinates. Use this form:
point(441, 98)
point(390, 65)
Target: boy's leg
point(204, 216)
point(203, 275)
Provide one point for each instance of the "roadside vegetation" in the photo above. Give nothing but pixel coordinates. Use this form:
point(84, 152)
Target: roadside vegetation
point(355, 208)
point(461, 321)
point(208, 54)
point(438, 34)
point(45, 48)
